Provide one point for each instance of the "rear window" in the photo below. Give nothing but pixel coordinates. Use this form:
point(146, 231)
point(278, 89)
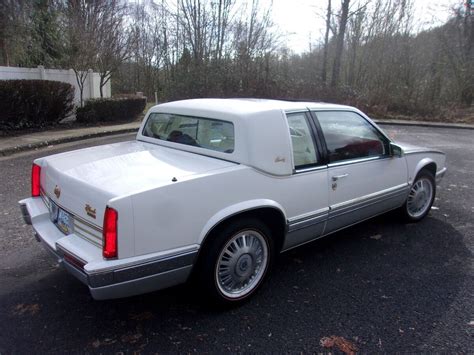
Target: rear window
point(195, 131)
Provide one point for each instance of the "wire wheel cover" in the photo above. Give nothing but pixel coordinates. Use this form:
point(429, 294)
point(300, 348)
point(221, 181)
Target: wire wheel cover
point(419, 198)
point(242, 264)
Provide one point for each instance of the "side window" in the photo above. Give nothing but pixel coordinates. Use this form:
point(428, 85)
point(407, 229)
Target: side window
point(350, 136)
point(304, 153)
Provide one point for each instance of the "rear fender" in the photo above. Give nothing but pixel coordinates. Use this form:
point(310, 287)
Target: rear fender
point(236, 209)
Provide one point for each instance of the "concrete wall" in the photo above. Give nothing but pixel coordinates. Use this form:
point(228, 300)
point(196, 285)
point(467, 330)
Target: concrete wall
point(91, 85)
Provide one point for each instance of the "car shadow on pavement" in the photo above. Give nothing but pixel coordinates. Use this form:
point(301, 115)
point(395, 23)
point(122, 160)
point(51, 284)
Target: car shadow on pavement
point(383, 285)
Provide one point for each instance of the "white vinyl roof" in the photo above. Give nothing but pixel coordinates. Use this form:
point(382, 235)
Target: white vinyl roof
point(262, 137)
point(242, 106)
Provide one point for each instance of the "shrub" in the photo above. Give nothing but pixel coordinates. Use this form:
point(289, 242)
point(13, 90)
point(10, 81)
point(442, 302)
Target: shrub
point(111, 109)
point(34, 103)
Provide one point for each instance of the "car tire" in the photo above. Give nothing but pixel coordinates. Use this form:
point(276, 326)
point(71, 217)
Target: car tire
point(420, 198)
point(235, 262)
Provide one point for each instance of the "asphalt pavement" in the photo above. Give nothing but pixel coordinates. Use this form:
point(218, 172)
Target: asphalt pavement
point(382, 285)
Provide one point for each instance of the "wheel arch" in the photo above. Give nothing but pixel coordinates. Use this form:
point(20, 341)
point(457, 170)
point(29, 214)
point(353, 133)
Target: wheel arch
point(269, 212)
point(425, 164)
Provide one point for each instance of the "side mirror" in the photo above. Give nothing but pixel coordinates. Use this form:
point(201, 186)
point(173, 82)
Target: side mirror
point(395, 150)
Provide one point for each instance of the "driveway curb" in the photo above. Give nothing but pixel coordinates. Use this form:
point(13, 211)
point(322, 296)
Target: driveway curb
point(31, 146)
point(424, 124)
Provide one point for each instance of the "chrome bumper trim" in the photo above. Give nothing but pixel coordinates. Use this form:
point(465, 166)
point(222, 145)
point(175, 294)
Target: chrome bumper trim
point(142, 285)
point(155, 267)
point(134, 280)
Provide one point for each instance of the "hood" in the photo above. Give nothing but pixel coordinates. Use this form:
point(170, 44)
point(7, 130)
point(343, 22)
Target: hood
point(410, 148)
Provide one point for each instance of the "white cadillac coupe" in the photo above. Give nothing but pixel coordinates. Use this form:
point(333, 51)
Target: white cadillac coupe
point(215, 188)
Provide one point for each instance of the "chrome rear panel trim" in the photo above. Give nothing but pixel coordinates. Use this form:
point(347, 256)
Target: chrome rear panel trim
point(142, 285)
point(142, 270)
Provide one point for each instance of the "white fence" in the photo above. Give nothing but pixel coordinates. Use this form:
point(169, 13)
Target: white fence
point(91, 85)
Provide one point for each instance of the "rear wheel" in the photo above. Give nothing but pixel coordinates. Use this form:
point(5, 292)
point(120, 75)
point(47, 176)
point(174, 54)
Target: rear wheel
point(421, 197)
point(236, 261)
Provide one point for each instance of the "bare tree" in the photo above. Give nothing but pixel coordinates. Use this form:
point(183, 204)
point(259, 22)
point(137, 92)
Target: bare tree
point(150, 47)
point(224, 11)
point(112, 41)
point(326, 44)
point(457, 41)
point(82, 27)
point(336, 69)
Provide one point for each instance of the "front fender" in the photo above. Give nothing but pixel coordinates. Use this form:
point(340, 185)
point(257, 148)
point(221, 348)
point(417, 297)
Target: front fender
point(236, 209)
point(415, 165)
point(421, 164)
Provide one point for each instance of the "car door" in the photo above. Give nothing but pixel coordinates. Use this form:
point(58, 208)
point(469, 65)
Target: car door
point(363, 179)
point(308, 184)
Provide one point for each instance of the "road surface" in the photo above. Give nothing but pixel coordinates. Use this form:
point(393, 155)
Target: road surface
point(382, 285)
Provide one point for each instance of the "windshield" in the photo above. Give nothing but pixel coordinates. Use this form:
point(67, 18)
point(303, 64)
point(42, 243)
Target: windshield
point(195, 131)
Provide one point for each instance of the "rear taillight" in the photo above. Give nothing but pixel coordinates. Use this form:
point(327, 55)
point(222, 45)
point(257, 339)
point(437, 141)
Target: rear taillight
point(109, 233)
point(35, 180)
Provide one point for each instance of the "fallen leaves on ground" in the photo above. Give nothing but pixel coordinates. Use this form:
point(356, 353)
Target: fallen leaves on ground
point(341, 343)
point(31, 309)
point(107, 341)
point(130, 338)
point(141, 316)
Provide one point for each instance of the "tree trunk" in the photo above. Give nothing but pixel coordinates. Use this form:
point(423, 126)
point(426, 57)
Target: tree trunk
point(81, 79)
point(101, 85)
point(326, 46)
point(6, 58)
point(336, 69)
point(104, 79)
point(467, 90)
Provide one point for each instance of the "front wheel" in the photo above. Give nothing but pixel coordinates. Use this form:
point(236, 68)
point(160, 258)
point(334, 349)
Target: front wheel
point(421, 197)
point(236, 261)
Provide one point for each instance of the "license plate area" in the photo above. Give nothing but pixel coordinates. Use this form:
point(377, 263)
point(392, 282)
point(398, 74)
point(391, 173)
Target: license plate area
point(62, 219)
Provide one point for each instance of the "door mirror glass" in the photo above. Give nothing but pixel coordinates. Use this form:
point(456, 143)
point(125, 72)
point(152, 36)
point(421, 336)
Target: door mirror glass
point(396, 150)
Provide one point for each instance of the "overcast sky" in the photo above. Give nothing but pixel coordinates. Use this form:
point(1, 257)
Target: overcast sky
point(301, 19)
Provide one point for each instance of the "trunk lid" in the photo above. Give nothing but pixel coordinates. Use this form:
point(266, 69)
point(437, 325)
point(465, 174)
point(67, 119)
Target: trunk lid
point(85, 180)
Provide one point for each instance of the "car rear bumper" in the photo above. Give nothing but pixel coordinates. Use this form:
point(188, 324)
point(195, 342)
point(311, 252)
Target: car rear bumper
point(143, 274)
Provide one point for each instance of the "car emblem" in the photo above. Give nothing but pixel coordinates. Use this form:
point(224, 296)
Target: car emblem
point(57, 191)
point(91, 212)
point(280, 159)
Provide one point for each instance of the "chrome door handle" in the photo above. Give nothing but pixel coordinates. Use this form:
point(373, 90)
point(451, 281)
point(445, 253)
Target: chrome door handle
point(337, 177)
